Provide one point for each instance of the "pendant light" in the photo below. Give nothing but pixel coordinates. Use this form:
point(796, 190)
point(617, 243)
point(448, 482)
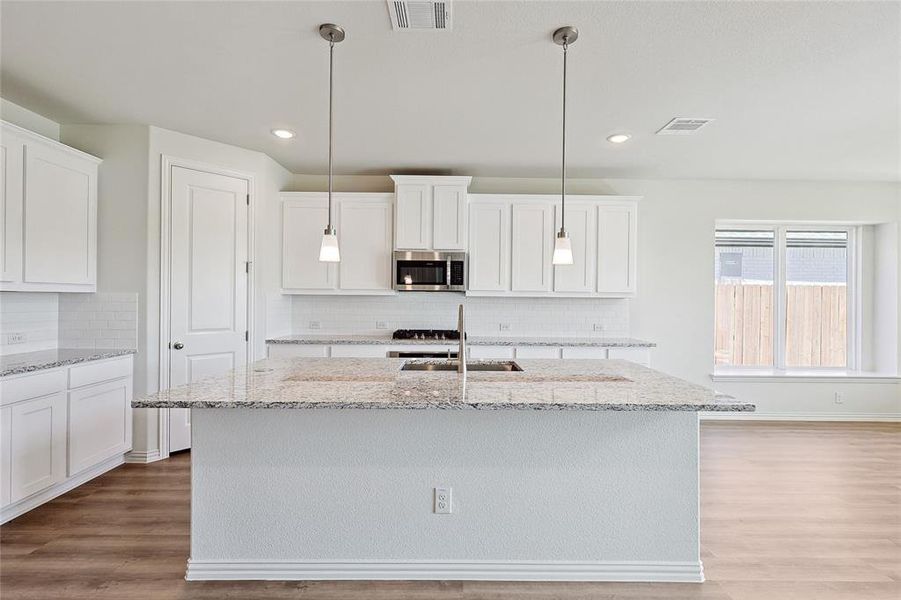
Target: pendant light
point(328, 251)
point(563, 247)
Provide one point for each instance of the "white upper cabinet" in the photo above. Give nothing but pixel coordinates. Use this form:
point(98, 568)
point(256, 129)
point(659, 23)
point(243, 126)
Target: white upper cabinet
point(365, 224)
point(511, 241)
point(532, 246)
point(49, 211)
point(616, 249)
point(431, 212)
point(449, 208)
point(489, 247)
point(579, 277)
point(414, 216)
point(364, 236)
point(303, 221)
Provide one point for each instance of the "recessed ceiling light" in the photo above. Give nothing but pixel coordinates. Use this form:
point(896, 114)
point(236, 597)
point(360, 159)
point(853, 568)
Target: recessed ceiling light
point(619, 138)
point(285, 134)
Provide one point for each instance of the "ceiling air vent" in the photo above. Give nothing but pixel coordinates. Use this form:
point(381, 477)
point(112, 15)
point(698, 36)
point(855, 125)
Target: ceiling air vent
point(683, 126)
point(419, 14)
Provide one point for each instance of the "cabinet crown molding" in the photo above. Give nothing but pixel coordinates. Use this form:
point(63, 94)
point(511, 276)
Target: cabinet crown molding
point(37, 137)
point(433, 179)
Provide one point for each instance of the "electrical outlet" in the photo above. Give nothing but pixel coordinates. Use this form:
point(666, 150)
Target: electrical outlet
point(443, 504)
point(381, 324)
point(315, 324)
point(15, 338)
point(503, 326)
point(839, 399)
point(599, 327)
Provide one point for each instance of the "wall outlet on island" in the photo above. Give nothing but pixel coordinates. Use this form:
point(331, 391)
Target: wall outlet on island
point(15, 338)
point(315, 325)
point(381, 324)
point(503, 326)
point(838, 398)
point(443, 501)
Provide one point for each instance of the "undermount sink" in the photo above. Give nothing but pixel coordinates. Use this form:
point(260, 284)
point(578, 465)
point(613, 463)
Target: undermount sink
point(499, 366)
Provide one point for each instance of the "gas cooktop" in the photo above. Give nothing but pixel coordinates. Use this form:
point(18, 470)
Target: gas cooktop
point(426, 334)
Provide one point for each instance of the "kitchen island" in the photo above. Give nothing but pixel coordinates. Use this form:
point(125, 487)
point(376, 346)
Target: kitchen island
point(583, 470)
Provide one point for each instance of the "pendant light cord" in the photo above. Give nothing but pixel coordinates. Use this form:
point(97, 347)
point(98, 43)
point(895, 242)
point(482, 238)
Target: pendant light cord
point(331, 54)
point(563, 169)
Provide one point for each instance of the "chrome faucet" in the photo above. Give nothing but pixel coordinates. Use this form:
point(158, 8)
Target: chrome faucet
point(461, 352)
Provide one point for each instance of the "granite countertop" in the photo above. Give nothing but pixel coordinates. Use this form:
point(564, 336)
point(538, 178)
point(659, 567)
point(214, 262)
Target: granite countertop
point(596, 342)
point(26, 362)
point(379, 383)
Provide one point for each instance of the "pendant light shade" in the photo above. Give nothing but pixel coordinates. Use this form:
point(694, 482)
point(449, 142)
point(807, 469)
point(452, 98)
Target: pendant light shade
point(328, 250)
point(563, 247)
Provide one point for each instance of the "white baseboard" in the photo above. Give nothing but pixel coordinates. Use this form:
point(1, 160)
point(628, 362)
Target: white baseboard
point(433, 570)
point(26, 504)
point(142, 457)
point(800, 416)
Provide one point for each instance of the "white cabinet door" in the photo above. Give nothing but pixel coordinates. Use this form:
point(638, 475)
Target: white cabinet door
point(5, 453)
point(616, 249)
point(303, 221)
point(358, 351)
point(364, 228)
point(414, 216)
point(60, 214)
point(99, 423)
point(491, 352)
point(489, 247)
point(37, 445)
point(641, 356)
point(12, 173)
point(297, 350)
point(532, 247)
point(580, 276)
point(537, 352)
point(449, 208)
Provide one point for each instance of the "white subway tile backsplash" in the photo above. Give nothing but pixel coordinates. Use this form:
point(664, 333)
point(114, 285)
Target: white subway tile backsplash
point(101, 320)
point(34, 315)
point(484, 316)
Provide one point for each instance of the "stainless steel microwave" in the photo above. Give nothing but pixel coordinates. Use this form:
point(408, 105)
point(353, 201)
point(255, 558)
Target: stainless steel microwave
point(429, 271)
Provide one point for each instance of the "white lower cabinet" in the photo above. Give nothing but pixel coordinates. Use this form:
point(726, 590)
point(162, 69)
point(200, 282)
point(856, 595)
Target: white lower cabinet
point(641, 356)
point(99, 423)
point(61, 427)
point(585, 352)
point(359, 351)
point(537, 352)
point(491, 352)
point(37, 445)
point(297, 350)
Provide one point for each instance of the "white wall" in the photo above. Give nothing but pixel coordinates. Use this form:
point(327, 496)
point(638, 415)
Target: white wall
point(21, 116)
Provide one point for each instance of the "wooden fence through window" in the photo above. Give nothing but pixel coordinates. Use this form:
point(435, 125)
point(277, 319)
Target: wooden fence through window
point(816, 325)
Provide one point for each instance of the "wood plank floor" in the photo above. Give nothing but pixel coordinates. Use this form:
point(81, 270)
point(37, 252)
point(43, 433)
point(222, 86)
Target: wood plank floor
point(789, 511)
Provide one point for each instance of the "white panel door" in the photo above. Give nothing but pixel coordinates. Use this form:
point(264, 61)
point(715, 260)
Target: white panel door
point(12, 173)
point(60, 216)
point(580, 276)
point(364, 231)
point(99, 423)
point(414, 216)
point(532, 247)
point(37, 445)
point(449, 208)
point(489, 247)
point(616, 241)
point(5, 453)
point(208, 290)
point(303, 221)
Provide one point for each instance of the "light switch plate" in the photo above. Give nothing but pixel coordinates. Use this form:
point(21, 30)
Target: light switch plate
point(314, 324)
point(381, 324)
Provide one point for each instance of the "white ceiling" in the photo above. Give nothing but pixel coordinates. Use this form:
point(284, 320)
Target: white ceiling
point(806, 90)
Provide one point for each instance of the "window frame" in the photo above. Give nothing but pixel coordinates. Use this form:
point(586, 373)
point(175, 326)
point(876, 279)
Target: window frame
point(853, 343)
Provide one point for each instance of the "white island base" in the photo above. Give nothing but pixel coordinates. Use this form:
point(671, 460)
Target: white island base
point(537, 495)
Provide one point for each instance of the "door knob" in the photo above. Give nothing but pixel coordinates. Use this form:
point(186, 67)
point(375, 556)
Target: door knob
point(178, 345)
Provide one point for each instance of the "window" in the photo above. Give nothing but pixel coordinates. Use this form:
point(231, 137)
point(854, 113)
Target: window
point(783, 296)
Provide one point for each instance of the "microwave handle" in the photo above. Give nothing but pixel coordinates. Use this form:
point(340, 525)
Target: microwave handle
point(447, 277)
